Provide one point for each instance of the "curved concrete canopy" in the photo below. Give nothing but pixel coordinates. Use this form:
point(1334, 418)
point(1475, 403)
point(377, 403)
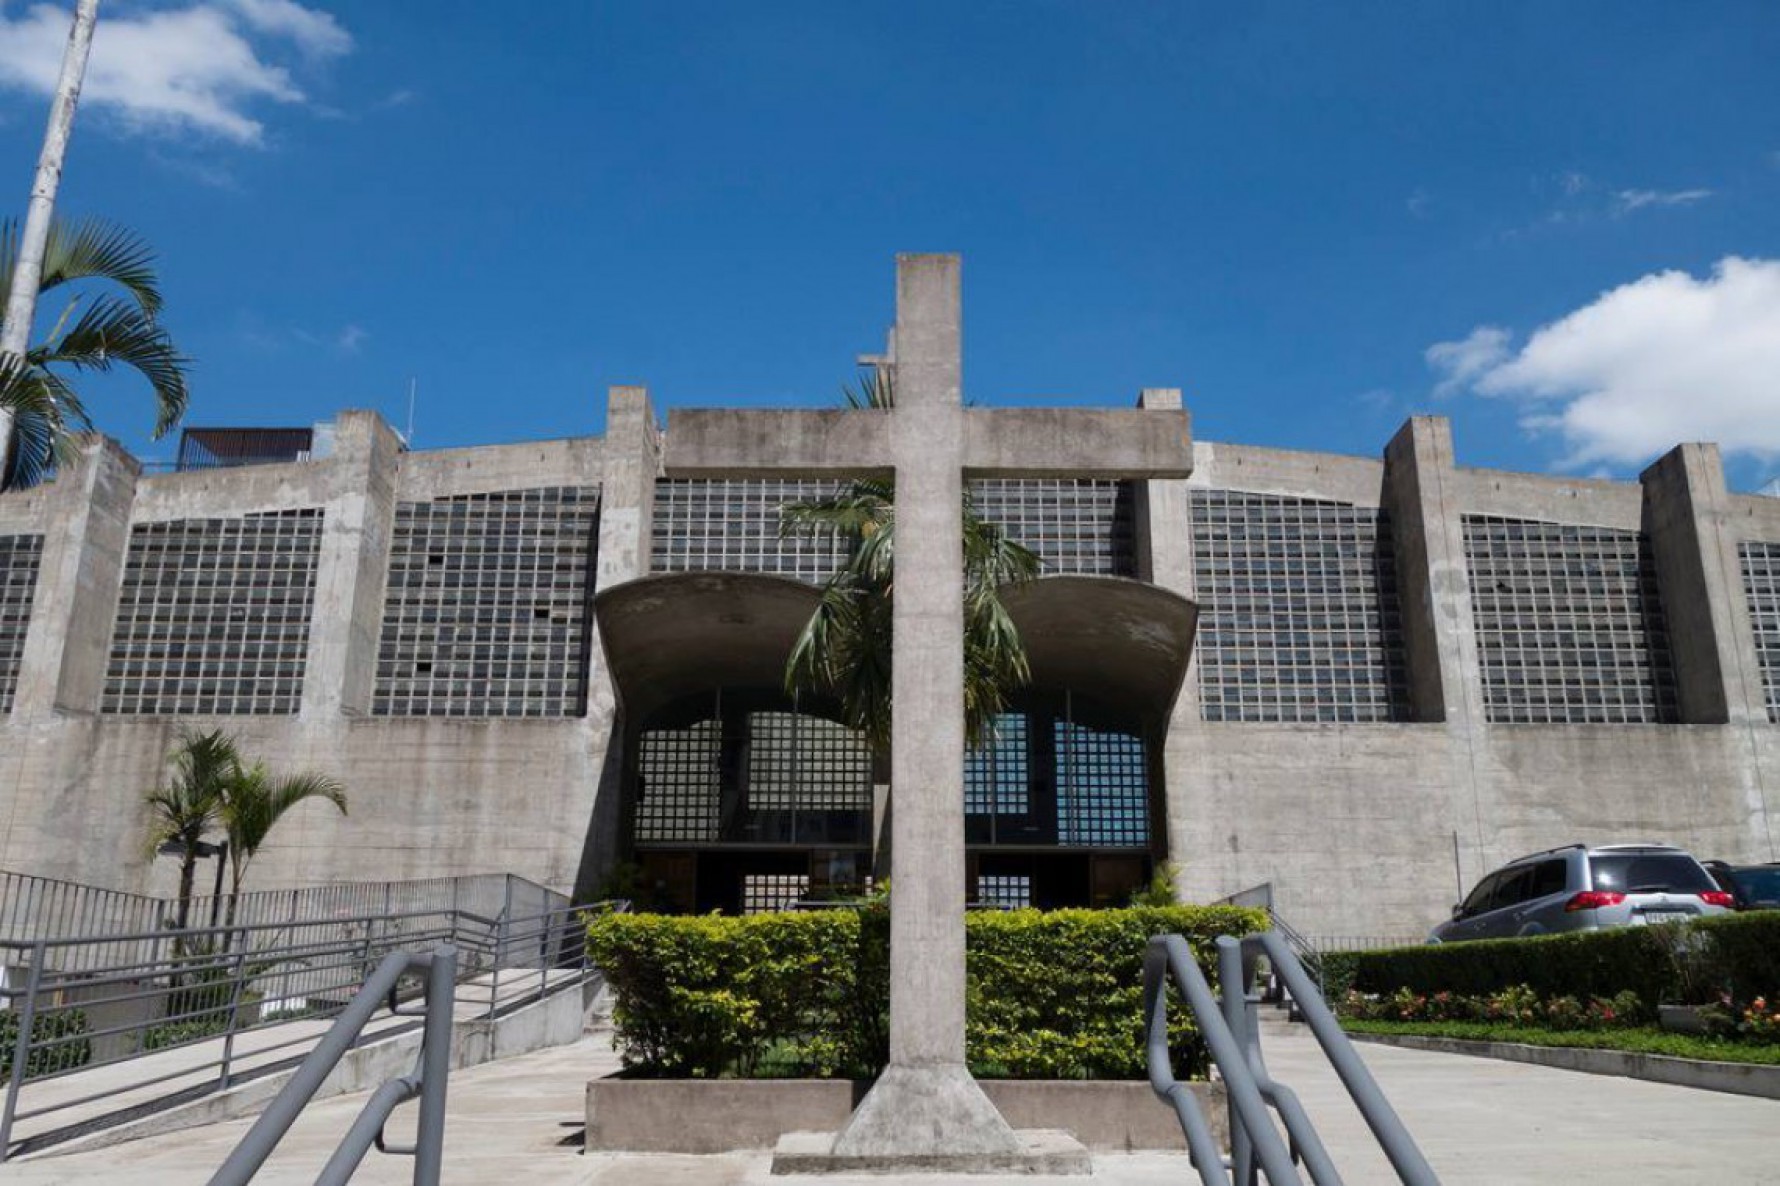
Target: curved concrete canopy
point(674, 634)
point(1124, 642)
point(1121, 641)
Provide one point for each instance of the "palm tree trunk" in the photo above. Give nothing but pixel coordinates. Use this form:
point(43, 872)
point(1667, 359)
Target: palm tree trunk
point(21, 301)
point(188, 869)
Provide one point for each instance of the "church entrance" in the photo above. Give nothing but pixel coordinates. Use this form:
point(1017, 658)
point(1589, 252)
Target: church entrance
point(740, 803)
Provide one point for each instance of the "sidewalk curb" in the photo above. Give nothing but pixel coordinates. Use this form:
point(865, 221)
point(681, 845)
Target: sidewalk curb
point(1729, 1077)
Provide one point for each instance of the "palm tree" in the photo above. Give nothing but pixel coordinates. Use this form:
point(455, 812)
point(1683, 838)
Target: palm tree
point(110, 331)
point(844, 650)
point(22, 279)
point(189, 806)
point(252, 804)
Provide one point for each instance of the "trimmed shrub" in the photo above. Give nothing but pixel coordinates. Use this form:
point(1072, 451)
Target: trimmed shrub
point(46, 1027)
point(1049, 995)
point(1734, 957)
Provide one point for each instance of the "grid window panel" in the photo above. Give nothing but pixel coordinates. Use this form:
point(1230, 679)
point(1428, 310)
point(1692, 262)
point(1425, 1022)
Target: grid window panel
point(213, 616)
point(1012, 891)
point(1570, 627)
point(1299, 619)
point(766, 893)
point(679, 793)
point(20, 558)
point(1076, 525)
point(997, 775)
point(732, 525)
point(1761, 584)
point(1102, 788)
point(486, 609)
point(806, 762)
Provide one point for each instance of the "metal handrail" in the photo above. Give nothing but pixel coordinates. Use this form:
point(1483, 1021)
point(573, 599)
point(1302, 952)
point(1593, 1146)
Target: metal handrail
point(431, 1070)
point(1232, 1035)
point(134, 996)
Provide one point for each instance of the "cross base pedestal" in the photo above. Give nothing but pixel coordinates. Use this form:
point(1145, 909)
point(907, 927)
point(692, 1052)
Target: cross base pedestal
point(929, 1119)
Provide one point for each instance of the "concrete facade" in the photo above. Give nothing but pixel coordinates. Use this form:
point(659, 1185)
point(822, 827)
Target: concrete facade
point(1365, 827)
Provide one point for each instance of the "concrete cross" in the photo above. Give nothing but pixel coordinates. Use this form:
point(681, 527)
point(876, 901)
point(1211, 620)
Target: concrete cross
point(925, 1104)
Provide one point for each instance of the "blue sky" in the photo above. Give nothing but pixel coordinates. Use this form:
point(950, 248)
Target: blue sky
point(1554, 223)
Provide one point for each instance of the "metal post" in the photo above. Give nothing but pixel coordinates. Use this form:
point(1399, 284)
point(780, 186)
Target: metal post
point(237, 976)
point(1233, 993)
point(21, 1051)
point(435, 1066)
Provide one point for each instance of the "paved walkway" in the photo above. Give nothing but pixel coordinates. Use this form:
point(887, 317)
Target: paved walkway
point(1479, 1121)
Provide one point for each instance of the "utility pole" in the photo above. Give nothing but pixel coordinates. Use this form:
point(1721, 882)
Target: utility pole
point(21, 301)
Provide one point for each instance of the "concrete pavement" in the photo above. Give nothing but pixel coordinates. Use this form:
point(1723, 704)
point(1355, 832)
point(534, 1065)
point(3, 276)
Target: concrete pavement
point(1479, 1121)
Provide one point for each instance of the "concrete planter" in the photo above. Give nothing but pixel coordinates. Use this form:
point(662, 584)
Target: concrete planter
point(1681, 1019)
point(722, 1115)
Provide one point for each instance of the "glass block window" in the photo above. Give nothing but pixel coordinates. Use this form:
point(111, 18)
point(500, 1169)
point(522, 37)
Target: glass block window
point(764, 893)
point(213, 617)
point(1570, 628)
point(754, 778)
point(997, 774)
point(807, 763)
point(1009, 891)
point(1298, 611)
point(1761, 584)
point(732, 525)
point(20, 557)
point(1102, 788)
point(486, 609)
point(679, 791)
point(1076, 525)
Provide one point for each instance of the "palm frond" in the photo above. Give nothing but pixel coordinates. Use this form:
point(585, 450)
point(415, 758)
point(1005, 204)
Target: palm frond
point(113, 331)
point(95, 249)
point(876, 390)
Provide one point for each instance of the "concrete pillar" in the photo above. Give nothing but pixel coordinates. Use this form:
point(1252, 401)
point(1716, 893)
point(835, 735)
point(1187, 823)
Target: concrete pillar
point(86, 533)
point(352, 568)
point(1164, 530)
point(1439, 629)
point(631, 461)
point(925, 1104)
point(1700, 577)
point(1434, 585)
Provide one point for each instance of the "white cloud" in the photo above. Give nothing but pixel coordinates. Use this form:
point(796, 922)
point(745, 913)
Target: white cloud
point(1418, 203)
point(1461, 363)
point(351, 339)
point(202, 68)
point(1665, 359)
point(1628, 200)
point(315, 32)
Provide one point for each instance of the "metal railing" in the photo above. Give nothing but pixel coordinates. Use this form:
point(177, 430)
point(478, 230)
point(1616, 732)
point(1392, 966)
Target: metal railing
point(1232, 1034)
point(196, 1011)
point(1308, 948)
point(432, 1068)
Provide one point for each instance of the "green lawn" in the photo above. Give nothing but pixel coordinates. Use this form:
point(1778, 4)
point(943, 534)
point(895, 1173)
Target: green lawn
point(1640, 1041)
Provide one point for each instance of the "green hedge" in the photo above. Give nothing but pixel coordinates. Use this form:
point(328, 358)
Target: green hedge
point(64, 1027)
point(1695, 963)
point(1049, 995)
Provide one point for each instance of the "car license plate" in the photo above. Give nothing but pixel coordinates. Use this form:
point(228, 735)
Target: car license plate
point(1654, 917)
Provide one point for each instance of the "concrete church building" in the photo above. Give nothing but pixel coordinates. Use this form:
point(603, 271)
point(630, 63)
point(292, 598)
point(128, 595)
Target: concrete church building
point(1365, 680)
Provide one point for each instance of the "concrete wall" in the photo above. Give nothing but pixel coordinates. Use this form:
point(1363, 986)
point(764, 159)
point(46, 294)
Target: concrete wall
point(1372, 830)
point(1364, 830)
point(428, 796)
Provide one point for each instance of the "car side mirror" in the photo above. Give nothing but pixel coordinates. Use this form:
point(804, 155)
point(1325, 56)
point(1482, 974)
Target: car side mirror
point(1458, 911)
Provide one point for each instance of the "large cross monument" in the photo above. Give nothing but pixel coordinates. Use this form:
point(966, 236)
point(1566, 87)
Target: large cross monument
point(925, 1107)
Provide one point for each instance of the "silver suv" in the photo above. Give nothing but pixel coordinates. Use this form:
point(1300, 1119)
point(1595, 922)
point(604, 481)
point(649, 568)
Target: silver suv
point(1577, 888)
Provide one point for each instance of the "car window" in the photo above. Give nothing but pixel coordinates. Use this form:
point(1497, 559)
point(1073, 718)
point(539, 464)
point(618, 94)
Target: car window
point(1513, 887)
point(1758, 885)
point(1478, 901)
point(1652, 872)
point(1549, 877)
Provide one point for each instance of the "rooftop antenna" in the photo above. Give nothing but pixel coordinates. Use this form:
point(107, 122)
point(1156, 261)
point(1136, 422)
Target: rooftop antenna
point(408, 436)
